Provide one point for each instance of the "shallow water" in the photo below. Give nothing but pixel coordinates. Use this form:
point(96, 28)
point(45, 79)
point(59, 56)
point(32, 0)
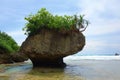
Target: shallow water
point(75, 70)
point(24, 71)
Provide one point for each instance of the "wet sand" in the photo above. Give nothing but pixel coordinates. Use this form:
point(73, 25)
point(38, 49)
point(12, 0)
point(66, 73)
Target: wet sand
point(75, 70)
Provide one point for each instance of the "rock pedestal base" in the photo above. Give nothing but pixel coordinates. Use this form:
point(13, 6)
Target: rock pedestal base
point(48, 63)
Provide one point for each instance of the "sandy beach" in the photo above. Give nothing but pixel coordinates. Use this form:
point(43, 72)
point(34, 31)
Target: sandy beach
point(75, 70)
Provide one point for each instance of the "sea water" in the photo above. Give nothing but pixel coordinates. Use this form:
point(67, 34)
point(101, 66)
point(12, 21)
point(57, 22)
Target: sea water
point(95, 67)
point(78, 68)
point(92, 57)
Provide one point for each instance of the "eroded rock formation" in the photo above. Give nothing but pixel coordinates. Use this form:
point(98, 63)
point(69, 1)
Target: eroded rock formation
point(19, 57)
point(48, 47)
point(6, 58)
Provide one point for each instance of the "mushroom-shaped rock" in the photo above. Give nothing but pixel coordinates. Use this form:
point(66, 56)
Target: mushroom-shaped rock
point(48, 47)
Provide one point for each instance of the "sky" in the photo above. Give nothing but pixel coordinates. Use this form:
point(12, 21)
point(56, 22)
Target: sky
point(102, 34)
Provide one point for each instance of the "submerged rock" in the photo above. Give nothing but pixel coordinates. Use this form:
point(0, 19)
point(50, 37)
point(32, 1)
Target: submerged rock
point(48, 47)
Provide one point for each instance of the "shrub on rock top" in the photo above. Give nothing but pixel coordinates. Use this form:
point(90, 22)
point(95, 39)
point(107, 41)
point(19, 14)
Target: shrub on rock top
point(44, 19)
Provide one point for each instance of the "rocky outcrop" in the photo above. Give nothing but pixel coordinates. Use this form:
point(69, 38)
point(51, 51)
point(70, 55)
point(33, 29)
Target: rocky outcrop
point(6, 58)
point(19, 57)
point(48, 47)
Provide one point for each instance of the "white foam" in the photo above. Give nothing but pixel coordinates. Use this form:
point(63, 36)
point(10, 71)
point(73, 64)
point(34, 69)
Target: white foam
point(28, 61)
point(92, 57)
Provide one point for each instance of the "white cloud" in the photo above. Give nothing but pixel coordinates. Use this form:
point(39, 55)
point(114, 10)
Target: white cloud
point(105, 27)
point(100, 46)
point(104, 16)
point(95, 7)
point(90, 8)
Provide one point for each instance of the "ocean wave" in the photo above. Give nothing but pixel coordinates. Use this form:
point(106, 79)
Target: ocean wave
point(92, 58)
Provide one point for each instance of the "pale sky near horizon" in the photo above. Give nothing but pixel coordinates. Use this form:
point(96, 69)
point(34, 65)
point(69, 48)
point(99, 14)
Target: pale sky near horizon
point(102, 35)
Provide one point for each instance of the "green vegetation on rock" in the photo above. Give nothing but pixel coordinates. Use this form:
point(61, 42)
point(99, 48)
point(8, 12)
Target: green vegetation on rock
point(44, 19)
point(7, 44)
